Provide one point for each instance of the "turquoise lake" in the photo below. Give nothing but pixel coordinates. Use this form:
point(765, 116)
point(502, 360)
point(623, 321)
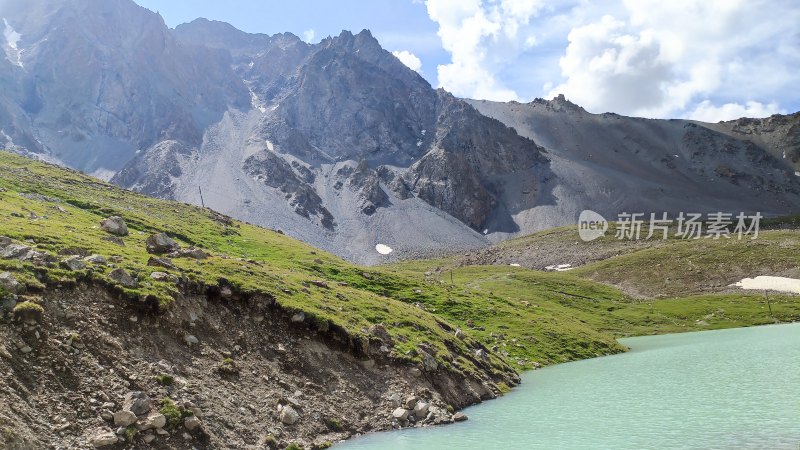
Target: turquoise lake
point(727, 389)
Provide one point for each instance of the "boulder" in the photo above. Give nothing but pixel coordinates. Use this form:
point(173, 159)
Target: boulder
point(299, 317)
point(459, 334)
point(73, 263)
point(14, 251)
point(114, 225)
point(96, 259)
point(379, 331)
point(410, 401)
point(191, 339)
point(152, 421)
point(122, 277)
point(481, 354)
point(160, 276)
point(103, 439)
point(124, 418)
point(190, 252)
point(459, 417)
point(137, 402)
point(10, 284)
point(429, 362)
point(191, 423)
point(289, 416)
point(165, 263)
point(421, 409)
point(4, 241)
point(160, 244)
point(401, 414)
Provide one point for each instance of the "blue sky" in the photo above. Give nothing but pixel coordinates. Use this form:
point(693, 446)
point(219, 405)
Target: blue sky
point(704, 59)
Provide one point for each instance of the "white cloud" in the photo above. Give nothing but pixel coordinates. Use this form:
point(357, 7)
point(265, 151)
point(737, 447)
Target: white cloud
point(308, 35)
point(706, 112)
point(481, 37)
point(409, 59)
point(667, 59)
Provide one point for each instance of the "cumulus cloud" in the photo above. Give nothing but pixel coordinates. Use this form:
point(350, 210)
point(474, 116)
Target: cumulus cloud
point(706, 112)
point(649, 58)
point(481, 37)
point(665, 59)
point(409, 59)
point(308, 35)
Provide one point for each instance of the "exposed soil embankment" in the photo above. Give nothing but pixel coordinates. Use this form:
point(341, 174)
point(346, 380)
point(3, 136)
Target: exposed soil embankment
point(224, 373)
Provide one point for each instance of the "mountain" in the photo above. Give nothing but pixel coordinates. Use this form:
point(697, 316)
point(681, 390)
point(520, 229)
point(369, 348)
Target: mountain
point(341, 145)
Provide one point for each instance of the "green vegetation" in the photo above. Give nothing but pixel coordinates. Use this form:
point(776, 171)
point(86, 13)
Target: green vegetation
point(333, 424)
point(293, 446)
point(165, 380)
point(527, 317)
point(173, 413)
point(130, 432)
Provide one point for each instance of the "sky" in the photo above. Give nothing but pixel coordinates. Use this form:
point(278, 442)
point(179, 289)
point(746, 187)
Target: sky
point(700, 59)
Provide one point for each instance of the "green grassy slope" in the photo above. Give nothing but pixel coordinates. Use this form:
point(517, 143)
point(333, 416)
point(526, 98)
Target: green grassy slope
point(64, 215)
point(528, 317)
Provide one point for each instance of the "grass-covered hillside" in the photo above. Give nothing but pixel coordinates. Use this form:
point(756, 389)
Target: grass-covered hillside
point(528, 317)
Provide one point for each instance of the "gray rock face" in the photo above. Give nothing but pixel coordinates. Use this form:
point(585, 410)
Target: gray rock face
point(10, 284)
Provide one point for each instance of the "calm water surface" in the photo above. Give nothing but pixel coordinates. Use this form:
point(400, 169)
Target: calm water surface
point(728, 389)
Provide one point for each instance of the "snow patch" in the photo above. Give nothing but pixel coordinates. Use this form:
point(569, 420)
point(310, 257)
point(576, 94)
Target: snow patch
point(255, 102)
point(270, 146)
point(514, 265)
point(763, 283)
point(559, 267)
point(419, 143)
point(797, 174)
point(383, 249)
point(13, 52)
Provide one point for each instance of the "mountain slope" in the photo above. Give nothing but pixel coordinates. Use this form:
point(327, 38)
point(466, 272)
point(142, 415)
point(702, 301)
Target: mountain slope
point(341, 145)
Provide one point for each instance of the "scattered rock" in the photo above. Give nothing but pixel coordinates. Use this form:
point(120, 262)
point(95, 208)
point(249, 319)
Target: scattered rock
point(459, 417)
point(401, 414)
point(73, 263)
point(161, 243)
point(320, 283)
point(410, 401)
point(379, 331)
point(191, 252)
point(289, 416)
point(114, 225)
point(299, 317)
point(191, 423)
point(166, 263)
point(116, 240)
point(160, 276)
point(148, 438)
point(459, 334)
point(10, 284)
point(15, 251)
point(137, 402)
point(96, 259)
point(191, 339)
point(429, 362)
point(481, 354)
point(152, 421)
point(103, 439)
point(421, 409)
point(124, 418)
point(4, 241)
point(122, 277)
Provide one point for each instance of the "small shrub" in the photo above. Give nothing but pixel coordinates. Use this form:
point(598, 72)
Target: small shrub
point(130, 432)
point(228, 367)
point(171, 411)
point(293, 446)
point(270, 441)
point(165, 380)
point(450, 409)
point(332, 424)
point(324, 445)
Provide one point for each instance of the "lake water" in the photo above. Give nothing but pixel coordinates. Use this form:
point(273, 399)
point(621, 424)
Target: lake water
point(728, 389)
